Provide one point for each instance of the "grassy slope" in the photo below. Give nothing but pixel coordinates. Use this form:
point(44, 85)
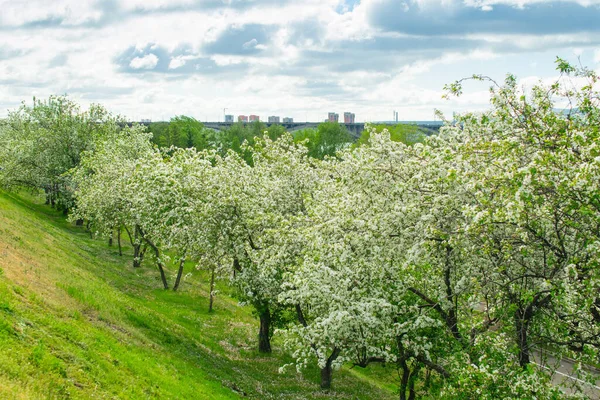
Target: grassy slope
point(76, 321)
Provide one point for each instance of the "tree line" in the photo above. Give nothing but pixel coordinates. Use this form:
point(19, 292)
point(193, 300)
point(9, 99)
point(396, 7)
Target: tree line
point(461, 259)
point(187, 132)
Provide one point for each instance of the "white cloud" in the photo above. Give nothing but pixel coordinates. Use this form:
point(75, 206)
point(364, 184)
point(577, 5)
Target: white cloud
point(434, 4)
point(148, 61)
point(176, 62)
point(250, 44)
point(523, 3)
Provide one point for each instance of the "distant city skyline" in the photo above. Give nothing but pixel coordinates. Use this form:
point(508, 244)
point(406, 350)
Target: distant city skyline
point(349, 117)
point(295, 58)
point(286, 120)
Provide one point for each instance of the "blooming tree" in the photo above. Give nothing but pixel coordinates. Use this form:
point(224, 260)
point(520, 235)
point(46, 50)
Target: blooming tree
point(534, 173)
point(102, 185)
point(42, 142)
point(260, 200)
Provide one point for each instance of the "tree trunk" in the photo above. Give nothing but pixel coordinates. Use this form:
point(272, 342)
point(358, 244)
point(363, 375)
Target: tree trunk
point(143, 249)
point(264, 337)
point(327, 371)
point(110, 238)
point(427, 383)
point(137, 260)
point(137, 247)
point(522, 319)
point(53, 195)
point(163, 277)
point(159, 263)
point(326, 376)
point(179, 273)
point(412, 394)
point(236, 266)
point(405, 378)
point(451, 317)
point(212, 289)
point(119, 242)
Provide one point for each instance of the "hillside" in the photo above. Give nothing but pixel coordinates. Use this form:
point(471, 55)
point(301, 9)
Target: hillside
point(77, 321)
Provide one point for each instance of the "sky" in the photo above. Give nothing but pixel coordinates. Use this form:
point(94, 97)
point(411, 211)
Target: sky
point(154, 59)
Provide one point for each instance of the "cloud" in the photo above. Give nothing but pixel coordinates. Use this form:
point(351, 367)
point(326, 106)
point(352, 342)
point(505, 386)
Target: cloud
point(148, 61)
point(306, 32)
point(181, 61)
point(177, 62)
point(7, 52)
point(328, 88)
point(75, 14)
point(100, 92)
point(21, 83)
point(444, 17)
point(347, 6)
point(241, 40)
point(58, 60)
point(250, 44)
point(378, 54)
point(139, 59)
point(166, 57)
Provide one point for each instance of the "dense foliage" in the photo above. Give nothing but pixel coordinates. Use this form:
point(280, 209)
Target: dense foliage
point(181, 131)
point(405, 133)
point(40, 143)
point(326, 140)
point(460, 258)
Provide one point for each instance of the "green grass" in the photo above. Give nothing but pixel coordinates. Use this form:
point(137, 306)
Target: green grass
point(77, 321)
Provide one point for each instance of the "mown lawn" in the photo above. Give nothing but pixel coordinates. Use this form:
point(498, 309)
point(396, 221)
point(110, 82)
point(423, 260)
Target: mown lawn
point(77, 321)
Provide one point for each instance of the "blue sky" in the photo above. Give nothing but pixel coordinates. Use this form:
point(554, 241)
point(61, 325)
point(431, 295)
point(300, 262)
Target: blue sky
point(159, 58)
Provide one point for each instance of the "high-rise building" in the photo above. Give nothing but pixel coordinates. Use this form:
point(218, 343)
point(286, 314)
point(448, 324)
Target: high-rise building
point(348, 118)
point(229, 118)
point(396, 116)
point(274, 119)
point(254, 118)
point(288, 120)
point(333, 117)
point(242, 118)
